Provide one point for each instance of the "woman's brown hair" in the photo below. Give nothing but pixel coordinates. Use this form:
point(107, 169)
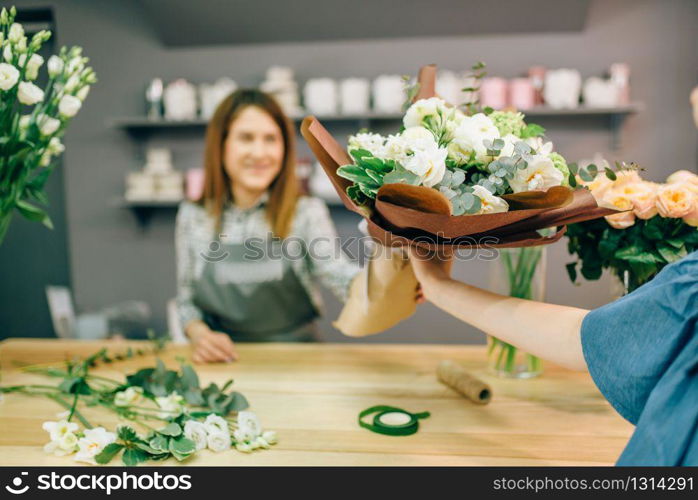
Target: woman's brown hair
point(283, 191)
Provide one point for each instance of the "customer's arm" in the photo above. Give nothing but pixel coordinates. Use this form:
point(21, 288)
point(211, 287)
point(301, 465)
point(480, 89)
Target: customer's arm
point(546, 330)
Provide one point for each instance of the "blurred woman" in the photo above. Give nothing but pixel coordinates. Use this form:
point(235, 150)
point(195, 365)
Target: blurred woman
point(250, 251)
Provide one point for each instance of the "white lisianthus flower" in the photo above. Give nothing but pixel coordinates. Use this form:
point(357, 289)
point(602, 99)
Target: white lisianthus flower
point(171, 405)
point(75, 65)
point(491, 204)
point(93, 443)
point(69, 106)
point(539, 175)
point(218, 441)
point(469, 137)
point(60, 428)
point(249, 423)
point(9, 75)
point(72, 83)
point(368, 141)
point(422, 109)
point(82, 93)
point(49, 125)
point(29, 93)
point(510, 141)
point(395, 148)
point(56, 147)
point(22, 45)
point(243, 436)
point(55, 66)
point(215, 423)
point(16, 33)
point(243, 447)
point(131, 395)
point(270, 437)
point(538, 146)
point(417, 133)
point(260, 442)
point(65, 445)
point(33, 65)
point(7, 53)
point(428, 161)
point(196, 431)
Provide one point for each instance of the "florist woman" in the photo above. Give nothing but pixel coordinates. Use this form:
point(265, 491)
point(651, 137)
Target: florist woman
point(250, 251)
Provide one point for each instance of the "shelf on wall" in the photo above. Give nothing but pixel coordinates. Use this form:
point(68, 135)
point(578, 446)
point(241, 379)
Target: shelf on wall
point(143, 209)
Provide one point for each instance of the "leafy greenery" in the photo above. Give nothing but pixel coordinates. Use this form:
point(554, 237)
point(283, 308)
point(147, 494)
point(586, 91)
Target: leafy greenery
point(642, 250)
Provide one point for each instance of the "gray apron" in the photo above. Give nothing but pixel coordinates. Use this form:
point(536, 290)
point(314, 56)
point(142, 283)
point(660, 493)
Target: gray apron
point(260, 300)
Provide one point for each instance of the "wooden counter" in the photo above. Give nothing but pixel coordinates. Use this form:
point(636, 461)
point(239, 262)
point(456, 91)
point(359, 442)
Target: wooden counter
point(311, 395)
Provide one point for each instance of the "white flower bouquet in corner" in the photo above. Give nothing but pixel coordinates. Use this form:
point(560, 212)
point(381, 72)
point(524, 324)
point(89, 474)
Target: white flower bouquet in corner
point(454, 175)
point(32, 119)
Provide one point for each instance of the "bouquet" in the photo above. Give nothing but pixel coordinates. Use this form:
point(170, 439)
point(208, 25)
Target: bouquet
point(33, 120)
point(656, 227)
point(180, 417)
point(451, 177)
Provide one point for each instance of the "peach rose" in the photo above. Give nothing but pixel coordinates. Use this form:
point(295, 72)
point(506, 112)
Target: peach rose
point(622, 220)
point(617, 198)
point(676, 200)
point(645, 200)
point(682, 176)
point(692, 218)
point(601, 184)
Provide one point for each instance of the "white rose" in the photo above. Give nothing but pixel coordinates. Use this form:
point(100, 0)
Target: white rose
point(470, 137)
point(243, 436)
point(215, 423)
point(424, 108)
point(29, 93)
point(196, 431)
point(218, 441)
point(416, 133)
point(93, 443)
point(132, 394)
point(270, 437)
point(249, 423)
point(7, 53)
point(82, 93)
point(69, 106)
point(16, 33)
point(369, 142)
point(171, 405)
point(9, 75)
point(429, 163)
point(49, 125)
point(491, 204)
point(33, 65)
point(56, 147)
point(539, 175)
point(55, 66)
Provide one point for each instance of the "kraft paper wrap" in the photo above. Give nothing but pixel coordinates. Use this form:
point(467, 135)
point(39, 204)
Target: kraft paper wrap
point(455, 377)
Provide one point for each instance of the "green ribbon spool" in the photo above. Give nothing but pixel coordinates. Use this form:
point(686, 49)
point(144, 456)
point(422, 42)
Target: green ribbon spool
point(391, 421)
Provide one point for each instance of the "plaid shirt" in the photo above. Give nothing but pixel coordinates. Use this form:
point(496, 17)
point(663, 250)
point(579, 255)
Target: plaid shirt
point(312, 229)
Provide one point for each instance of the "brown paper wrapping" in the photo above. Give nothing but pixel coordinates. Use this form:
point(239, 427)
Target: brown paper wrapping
point(454, 376)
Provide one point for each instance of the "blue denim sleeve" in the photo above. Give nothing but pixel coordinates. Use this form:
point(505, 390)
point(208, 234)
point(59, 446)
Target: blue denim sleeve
point(629, 344)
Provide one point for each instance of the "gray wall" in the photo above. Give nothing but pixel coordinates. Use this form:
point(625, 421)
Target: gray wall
point(112, 259)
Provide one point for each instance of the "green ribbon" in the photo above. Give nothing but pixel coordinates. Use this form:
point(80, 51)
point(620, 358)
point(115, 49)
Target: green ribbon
point(405, 429)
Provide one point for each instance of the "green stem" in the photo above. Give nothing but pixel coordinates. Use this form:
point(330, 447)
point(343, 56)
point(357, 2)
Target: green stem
point(68, 406)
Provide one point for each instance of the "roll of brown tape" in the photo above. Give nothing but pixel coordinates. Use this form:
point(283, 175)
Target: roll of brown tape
point(454, 376)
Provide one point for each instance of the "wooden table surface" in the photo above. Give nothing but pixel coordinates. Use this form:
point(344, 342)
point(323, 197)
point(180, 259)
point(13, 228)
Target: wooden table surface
point(311, 394)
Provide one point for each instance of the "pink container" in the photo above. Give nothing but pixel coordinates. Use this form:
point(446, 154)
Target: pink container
point(195, 183)
point(522, 95)
point(493, 93)
point(537, 76)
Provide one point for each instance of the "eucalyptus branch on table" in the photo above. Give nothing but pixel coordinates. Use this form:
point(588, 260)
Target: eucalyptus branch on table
point(180, 416)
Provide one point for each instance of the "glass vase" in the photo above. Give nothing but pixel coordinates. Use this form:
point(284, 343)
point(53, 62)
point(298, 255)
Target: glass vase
point(520, 273)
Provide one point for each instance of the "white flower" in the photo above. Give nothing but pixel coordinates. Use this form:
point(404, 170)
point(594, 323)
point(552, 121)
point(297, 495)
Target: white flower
point(16, 33)
point(48, 125)
point(33, 65)
point(243, 447)
point(72, 83)
point(55, 66)
point(422, 109)
point(369, 142)
point(29, 93)
point(510, 141)
point(243, 436)
point(490, 204)
point(539, 175)
point(132, 394)
point(428, 161)
point(7, 53)
point(9, 75)
point(82, 93)
point(416, 133)
point(171, 405)
point(75, 65)
point(270, 437)
point(538, 146)
point(260, 442)
point(69, 106)
point(45, 159)
point(59, 429)
point(218, 441)
point(93, 443)
point(196, 431)
point(56, 147)
point(249, 423)
point(215, 423)
point(395, 149)
point(469, 138)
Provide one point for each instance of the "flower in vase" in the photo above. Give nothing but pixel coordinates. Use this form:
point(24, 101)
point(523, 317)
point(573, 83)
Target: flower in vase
point(622, 220)
point(48, 125)
point(33, 65)
point(9, 75)
point(93, 443)
point(69, 106)
point(15, 33)
point(675, 200)
point(55, 66)
point(29, 93)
